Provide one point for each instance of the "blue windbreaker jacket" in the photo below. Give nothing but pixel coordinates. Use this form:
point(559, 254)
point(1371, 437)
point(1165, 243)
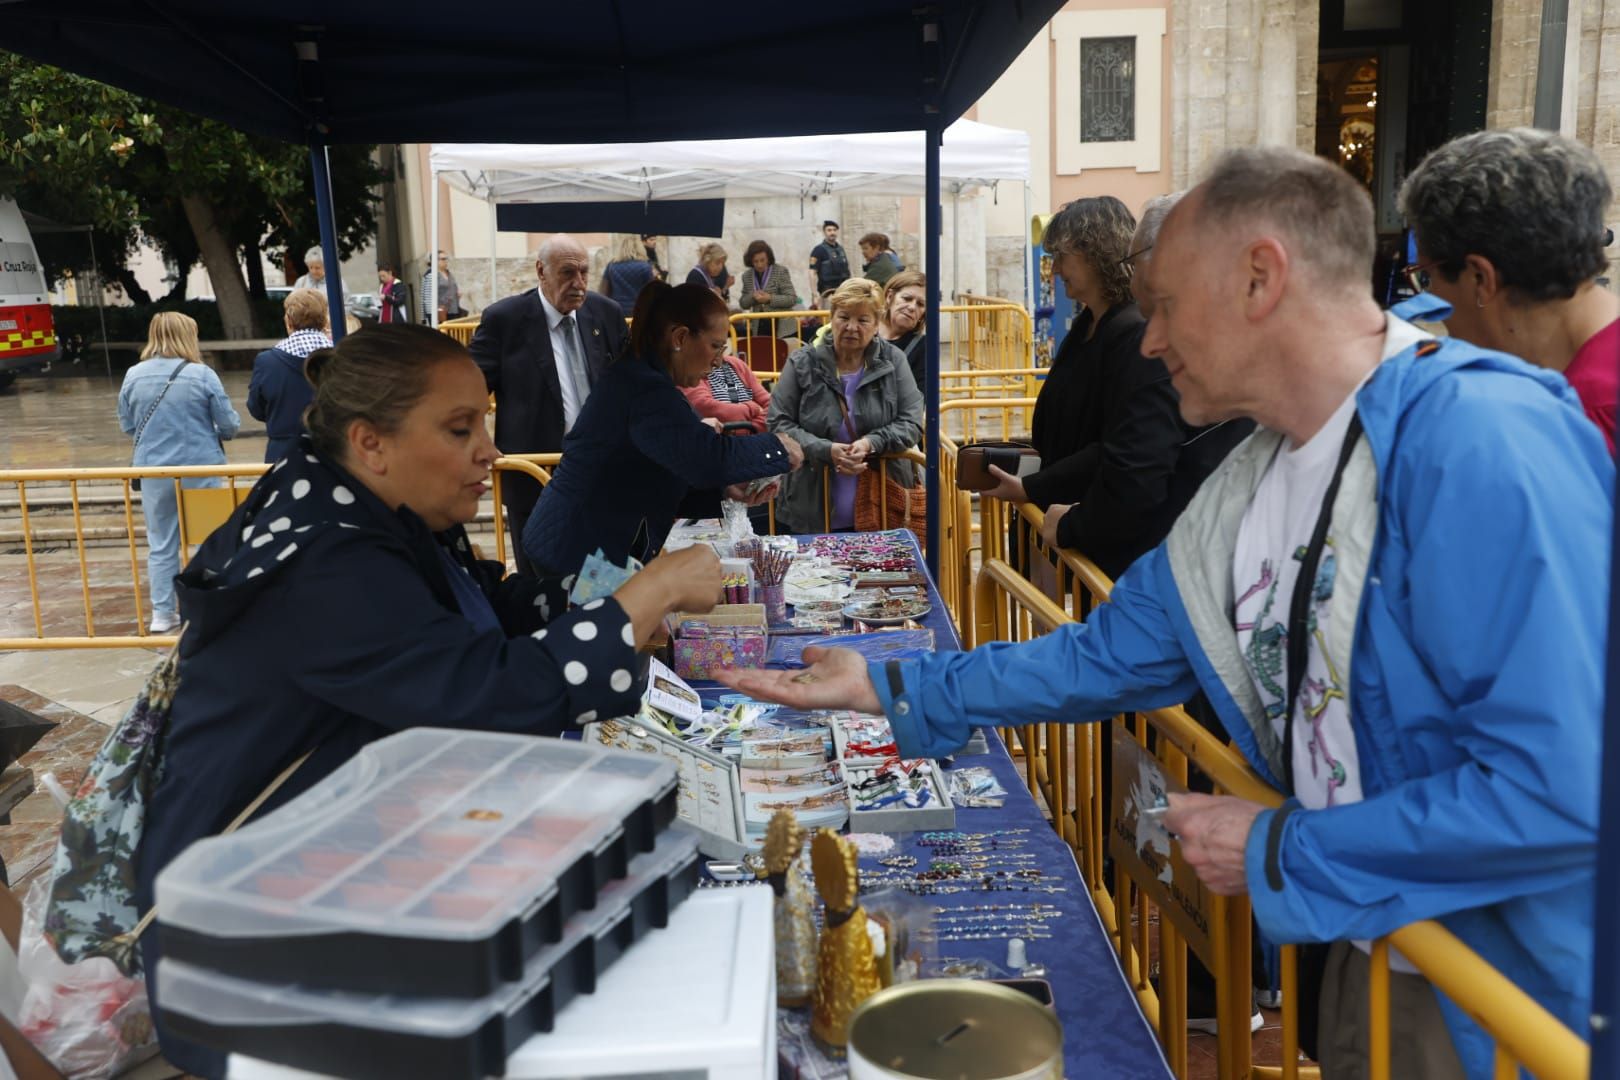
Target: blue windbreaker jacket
point(1476, 674)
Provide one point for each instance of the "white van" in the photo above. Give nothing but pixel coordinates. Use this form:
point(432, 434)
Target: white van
point(27, 335)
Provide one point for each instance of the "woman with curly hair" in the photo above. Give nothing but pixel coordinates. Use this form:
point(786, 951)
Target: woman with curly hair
point(1107, 424)
point(1510, 232)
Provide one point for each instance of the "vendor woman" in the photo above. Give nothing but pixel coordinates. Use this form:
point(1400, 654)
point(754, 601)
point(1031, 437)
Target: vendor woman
point(638, 457)
point(342, 602)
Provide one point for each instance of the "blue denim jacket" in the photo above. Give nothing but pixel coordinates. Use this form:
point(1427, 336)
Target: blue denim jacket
point(189, 421)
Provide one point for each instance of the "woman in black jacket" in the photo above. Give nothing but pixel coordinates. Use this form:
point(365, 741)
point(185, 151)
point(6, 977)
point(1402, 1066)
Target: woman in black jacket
point(638, 457)
point(1106, 424)
point(342, 601)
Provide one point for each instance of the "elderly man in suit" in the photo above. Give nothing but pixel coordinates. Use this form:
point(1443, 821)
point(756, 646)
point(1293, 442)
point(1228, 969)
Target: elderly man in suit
point(541, 352)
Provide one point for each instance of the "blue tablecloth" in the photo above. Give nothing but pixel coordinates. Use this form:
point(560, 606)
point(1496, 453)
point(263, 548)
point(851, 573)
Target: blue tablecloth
point(1104, 1032)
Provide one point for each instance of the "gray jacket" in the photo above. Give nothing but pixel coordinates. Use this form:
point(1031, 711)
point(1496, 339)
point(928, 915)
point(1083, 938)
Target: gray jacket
point(888, 411)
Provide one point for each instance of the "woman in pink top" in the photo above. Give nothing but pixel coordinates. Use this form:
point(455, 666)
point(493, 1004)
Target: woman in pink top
point(731, 393)
point(1510, 233)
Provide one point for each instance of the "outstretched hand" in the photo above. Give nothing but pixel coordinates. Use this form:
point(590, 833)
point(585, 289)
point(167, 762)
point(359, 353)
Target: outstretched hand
point(835, 679)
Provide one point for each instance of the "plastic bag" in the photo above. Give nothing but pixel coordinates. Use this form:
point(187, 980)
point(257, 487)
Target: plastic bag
point(90, 1019)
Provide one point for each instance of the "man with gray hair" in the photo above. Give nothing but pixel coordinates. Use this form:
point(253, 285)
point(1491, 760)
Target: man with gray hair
point(1387, 594)
point(1510, 234)
point(541, 352)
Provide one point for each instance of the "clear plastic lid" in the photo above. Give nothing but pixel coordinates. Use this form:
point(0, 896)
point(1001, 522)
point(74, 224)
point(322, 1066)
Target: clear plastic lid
point(429, 833)
point(227, 1001)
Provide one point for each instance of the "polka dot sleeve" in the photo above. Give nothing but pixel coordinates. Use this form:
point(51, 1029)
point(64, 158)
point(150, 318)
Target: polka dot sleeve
point(594, 648)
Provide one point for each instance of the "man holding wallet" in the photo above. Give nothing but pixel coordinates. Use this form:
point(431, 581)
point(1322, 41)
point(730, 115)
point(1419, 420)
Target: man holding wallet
point(1387, 595)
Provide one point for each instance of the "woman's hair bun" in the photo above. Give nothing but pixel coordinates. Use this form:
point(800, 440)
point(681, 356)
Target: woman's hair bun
point(316, 364)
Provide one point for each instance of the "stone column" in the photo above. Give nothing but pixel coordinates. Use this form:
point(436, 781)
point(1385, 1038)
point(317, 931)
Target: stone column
point(1515, 38)
point(1597, 112)
point(1243, 73)
point(1278, 97)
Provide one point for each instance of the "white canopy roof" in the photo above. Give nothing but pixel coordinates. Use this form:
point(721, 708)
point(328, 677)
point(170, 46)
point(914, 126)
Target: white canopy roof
point(885, 163)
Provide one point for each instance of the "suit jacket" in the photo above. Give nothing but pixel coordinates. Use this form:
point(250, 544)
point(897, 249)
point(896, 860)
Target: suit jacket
point(512, 347)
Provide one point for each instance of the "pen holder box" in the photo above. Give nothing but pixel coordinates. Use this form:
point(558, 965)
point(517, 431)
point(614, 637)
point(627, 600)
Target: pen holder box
point(732, 635)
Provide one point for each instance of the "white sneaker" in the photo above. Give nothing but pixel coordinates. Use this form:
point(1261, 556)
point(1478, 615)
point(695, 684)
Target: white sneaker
point(163, 622)
point(1208, 1026)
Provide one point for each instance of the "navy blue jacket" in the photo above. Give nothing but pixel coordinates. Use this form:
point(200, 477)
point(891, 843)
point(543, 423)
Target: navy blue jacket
point(637, 458)
point(319, 619)
point(278, 394)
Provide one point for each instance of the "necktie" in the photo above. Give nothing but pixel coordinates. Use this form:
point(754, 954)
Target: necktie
point(577, 370)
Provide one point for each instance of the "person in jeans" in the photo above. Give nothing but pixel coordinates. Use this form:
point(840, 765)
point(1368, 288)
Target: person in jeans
point(177, 411)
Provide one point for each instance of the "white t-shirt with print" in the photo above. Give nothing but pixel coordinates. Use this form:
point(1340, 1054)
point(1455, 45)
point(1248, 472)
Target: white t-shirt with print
point(1276, 530)
point(1271, 542)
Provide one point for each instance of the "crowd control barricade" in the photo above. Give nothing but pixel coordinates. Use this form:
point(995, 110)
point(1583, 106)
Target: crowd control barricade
point(1063, 765)
point(69, 610)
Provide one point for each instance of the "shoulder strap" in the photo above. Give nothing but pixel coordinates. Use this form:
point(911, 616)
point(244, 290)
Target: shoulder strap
point(1299, 605)
point(147, 419)
point(236, 823)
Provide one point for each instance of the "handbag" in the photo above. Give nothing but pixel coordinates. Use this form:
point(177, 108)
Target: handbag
point(907, 506)
point(882, 502)
point(973, 463)
point(92, 910)
point(135, 483)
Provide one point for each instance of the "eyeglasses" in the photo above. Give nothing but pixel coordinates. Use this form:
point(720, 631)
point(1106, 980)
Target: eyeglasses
point(1417, 275)
point(1133, 256)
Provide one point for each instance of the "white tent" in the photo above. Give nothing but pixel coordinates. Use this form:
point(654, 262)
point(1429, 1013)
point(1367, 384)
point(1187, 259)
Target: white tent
point(880, 163)
point(888, 163)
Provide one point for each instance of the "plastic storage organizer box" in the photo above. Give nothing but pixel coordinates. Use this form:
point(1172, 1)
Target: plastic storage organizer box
point(398, 1036)
point(433, 862)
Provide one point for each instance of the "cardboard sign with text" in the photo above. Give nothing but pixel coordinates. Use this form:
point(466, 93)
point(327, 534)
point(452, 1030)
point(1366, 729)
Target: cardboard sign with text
point(1140, 843)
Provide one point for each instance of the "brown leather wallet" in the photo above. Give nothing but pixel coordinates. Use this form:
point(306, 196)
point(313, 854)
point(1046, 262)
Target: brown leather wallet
point(974, 460)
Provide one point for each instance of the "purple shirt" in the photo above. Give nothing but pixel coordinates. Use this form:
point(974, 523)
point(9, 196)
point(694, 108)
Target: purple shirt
point(843, 487)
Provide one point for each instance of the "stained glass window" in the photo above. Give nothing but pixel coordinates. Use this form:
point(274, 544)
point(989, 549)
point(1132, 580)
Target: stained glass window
point(1107, 89)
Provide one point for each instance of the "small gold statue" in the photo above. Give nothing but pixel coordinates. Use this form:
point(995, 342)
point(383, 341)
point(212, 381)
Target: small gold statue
point(846, 972)
point(795, 911)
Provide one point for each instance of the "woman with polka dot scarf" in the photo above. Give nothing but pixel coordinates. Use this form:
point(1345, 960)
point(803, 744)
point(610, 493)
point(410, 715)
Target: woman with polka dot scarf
point(342, 600)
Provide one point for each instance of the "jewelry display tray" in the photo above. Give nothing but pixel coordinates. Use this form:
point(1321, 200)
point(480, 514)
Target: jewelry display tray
point(386, 1036)
point(432, 862)
point(938, 815)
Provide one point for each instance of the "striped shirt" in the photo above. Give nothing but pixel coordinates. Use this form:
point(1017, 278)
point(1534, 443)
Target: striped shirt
point(728, 387)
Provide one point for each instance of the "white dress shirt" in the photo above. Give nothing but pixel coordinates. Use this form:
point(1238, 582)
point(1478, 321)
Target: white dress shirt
point(573, 396)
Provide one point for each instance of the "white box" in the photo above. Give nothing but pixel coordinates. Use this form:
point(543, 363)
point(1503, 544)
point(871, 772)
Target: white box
point(698, 998)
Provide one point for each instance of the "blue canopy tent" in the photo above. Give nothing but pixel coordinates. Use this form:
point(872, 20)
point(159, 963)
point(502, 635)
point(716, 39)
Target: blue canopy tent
point(325, 71)
point(335, 71)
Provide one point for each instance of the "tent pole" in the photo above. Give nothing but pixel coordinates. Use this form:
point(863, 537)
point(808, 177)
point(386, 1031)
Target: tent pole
point(493, 228)
point(1606, 931)
point(101, 313)
point(956, 241)
point(433, 243)
point(933, 212)
point(1029, 273)
point(323, 211)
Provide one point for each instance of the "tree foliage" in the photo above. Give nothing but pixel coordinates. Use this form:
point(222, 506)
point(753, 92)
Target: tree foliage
point(82, 152)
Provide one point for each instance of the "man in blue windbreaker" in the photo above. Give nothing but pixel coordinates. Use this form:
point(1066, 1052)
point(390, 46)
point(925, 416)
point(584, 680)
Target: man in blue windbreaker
point(1394, 594)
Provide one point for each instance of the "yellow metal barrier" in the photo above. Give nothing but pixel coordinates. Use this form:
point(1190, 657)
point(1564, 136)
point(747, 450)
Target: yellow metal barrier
point(1063, 765)
point(109, 596)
